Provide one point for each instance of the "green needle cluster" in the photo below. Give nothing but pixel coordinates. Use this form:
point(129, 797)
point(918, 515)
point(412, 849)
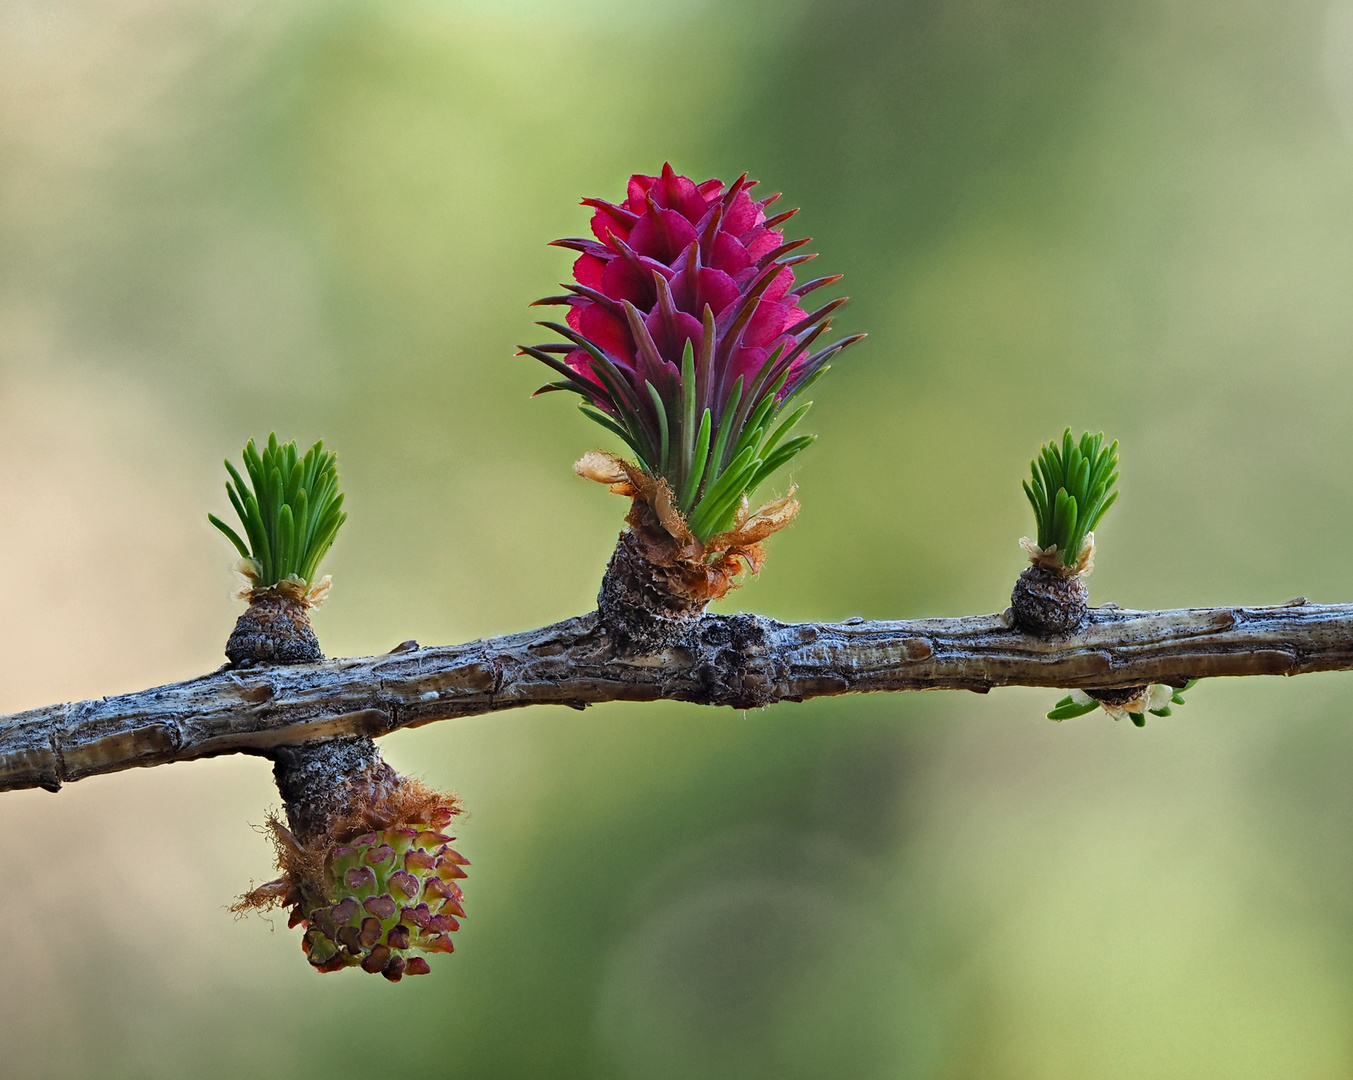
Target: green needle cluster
point(1072, 488)
point(291, 509)
point(713, 454)
point(712, 465)
point(1069, 708)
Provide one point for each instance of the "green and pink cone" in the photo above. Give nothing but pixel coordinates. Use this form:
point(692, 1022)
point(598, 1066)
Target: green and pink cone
point(397, 892)
point(377, 884)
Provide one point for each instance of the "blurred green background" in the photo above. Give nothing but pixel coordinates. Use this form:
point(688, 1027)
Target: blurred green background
point(327, 218)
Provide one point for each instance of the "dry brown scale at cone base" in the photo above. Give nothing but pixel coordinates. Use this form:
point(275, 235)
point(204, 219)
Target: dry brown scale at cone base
point(661, 577)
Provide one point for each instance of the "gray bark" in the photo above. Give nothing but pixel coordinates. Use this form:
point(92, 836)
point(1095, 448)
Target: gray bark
point(744, 661)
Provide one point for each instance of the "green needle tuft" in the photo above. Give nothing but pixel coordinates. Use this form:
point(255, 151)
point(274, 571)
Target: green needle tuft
point(290, 508)
point(1072, 488)
point(1156, 700)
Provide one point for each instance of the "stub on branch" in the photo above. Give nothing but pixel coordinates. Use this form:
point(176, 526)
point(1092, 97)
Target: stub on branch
point(1050, 597)
point(275, 628)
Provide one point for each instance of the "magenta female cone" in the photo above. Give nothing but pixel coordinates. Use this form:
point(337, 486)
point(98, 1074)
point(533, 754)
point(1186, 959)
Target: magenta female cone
point(685, 335)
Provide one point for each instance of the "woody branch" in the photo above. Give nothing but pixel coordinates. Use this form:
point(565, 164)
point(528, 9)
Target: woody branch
point(742, 661)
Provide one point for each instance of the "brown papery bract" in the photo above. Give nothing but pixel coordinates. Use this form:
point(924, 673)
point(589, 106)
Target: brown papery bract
point(698, 572)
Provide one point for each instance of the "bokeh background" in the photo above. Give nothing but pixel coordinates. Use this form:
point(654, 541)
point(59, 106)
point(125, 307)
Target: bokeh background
point(327, 218)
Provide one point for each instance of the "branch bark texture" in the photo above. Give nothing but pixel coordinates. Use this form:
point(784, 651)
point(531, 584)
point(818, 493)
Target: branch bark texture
point(743, 661)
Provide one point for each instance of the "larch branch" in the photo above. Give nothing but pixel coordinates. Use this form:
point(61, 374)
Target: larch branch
point(744, 661)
